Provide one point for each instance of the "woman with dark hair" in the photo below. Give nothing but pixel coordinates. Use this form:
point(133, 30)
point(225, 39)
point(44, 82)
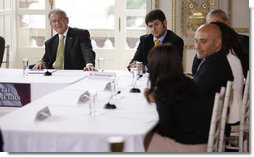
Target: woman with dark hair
point(235, 56)
point(183, 118)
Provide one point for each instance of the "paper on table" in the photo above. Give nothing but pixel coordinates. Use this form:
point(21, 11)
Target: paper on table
point(40, 71)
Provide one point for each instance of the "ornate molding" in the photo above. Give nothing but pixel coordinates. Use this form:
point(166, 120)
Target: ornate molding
point(242, 30)
point(173, 15)
point(189, 47)
point(193, 14)
point(155, 4)
point(229, 9)
point(238, 30)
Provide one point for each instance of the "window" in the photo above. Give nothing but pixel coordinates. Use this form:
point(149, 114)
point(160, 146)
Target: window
point(104, 22)
point(114, 26)
point(31, 23)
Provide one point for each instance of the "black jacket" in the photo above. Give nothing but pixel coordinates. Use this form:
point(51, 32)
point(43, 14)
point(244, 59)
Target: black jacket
point(77, 53)
point(147, 43)
point(213, 73)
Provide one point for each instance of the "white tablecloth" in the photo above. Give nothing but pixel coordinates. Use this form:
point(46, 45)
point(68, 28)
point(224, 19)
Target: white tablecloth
point(70, 128)
point(40, 85)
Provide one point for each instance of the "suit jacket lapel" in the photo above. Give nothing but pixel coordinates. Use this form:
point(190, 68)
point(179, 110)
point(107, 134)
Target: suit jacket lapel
point(54, 47)
point(68, 43)
point(167, 38)
point(150, 42)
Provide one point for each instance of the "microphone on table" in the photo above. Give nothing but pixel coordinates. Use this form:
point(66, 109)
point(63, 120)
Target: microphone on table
point(109, 105)
point(47, 73)
point(139, 76)
point(134, 89)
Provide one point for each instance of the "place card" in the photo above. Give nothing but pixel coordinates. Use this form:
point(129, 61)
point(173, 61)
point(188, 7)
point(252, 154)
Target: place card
point(84, 97)
point(42, 114)
point(102, 75)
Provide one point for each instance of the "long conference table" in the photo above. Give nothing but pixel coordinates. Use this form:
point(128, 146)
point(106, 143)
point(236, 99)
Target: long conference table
point(70, 127)
point(40, 85)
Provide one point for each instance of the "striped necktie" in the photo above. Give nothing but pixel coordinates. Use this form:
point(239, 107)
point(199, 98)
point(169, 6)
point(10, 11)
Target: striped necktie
point(156, 42)
point(60, 54)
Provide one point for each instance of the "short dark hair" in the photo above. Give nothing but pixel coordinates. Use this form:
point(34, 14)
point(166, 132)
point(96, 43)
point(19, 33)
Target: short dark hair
point(156, 14)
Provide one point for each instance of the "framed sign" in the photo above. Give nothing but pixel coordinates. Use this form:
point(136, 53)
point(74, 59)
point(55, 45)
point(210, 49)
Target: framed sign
point(15, 94)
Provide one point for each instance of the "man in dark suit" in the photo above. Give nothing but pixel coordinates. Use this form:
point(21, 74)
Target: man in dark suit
point(214, 70)
point(75, 46)
point(157, 24)
point(218, 15)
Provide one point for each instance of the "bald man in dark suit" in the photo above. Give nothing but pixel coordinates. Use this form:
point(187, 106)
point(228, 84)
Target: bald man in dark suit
point(218, 15)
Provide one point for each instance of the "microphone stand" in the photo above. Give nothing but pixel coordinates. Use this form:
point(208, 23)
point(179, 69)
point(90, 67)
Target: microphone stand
point(109, 105)
point(135, 89)
point(47, 73)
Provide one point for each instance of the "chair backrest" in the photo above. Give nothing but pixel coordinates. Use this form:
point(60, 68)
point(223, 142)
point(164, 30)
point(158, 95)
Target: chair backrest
point(225, 115)
point(2, 47)
point(214, 133)
point(244, 118)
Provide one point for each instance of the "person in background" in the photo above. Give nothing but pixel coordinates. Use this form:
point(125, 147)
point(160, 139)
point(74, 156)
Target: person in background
point(70, 48)
point(182, 126)
point(2, 48)
point(214, 70)
point(218, 15)
point(157, 24)
point(1, 142)
point(234, 52)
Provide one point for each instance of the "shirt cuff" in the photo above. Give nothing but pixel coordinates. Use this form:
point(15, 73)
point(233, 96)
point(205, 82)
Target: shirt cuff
point(42, 62)
point(89, 64)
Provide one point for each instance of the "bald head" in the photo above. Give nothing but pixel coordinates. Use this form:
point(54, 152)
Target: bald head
point(208, 40)
point(211, 29)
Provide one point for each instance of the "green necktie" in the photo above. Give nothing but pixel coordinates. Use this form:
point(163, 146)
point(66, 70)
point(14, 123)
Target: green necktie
point(60, 54)
point(156, 42)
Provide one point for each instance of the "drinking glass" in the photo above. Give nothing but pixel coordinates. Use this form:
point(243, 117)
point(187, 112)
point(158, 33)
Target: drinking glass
point(100, 64)
point(25, 66)
point(92, 104)
point(134, 72)
point(139, 66)
point(135, 77)
point(116, 144)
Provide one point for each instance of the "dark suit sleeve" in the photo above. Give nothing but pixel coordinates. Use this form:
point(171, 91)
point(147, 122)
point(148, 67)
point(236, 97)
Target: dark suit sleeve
point(86, 47)
point(49, 56)
point(139, 52)
point(212, 75)
point(180, 45)
point(176, 41)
